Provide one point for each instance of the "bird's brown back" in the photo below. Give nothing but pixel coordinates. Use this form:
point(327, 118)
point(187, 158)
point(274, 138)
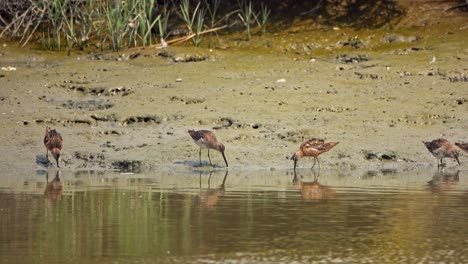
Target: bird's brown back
point(201, 134)
point(52, 139)
point(314, 147)
point(441, 145)
point(206, 138)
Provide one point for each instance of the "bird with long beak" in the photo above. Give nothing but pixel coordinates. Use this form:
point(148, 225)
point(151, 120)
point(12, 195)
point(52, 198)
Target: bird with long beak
point(312, 148)
point(206, 139)
point(53, 141)
point(441, 148)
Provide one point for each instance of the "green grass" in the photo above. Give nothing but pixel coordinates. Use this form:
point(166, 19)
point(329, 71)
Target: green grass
point(114, 25)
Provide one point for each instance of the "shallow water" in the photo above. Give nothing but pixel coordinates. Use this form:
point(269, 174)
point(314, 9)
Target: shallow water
point(257, 216)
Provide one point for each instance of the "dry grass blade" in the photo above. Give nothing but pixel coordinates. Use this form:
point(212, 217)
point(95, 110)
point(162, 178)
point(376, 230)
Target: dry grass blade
point(186, 38)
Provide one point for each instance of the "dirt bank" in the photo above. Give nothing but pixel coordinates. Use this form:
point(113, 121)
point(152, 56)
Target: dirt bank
point(379, 92)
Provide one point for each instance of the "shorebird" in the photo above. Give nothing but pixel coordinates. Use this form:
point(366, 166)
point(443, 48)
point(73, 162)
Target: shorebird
point(441, 148)
point(312, 148)
point(53, 142)
point(206, 139)
point(462, 146)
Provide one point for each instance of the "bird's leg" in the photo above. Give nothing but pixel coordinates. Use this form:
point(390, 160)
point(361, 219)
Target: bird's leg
point(47, 155)
point(318, 161)
point(315, 160)
point(209, 157)
point(199, 156)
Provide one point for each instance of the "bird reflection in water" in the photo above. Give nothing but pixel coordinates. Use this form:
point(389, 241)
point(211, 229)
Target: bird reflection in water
point(443, 181)
point(313, 190)
point(54, 188)
point(208, 198)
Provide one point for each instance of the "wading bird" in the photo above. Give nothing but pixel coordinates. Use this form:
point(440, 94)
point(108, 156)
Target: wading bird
point(463, 146)
point(441, 148)
point(312, 148)
point(53, 142)
point(206, 139)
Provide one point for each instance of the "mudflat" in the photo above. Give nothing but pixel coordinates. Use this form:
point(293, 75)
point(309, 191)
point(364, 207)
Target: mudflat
point(379, 92)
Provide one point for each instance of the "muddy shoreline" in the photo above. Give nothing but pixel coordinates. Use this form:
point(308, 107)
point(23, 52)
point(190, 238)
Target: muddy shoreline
point(262, 99)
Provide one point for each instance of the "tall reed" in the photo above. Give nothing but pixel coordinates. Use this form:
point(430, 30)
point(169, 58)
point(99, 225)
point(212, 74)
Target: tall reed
point(116, 25)
point(198, 27)
point(193, 20)
point(262, 18)
point(247, 16)
point(212, 7)
point(164, 14)
point(147, 20)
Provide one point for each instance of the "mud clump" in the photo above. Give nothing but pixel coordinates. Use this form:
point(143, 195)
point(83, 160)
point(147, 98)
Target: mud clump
point(224, 122)
point(89, 159)
point(454, 77)
point(187, 100)
point(58, 121)
point(367, 76)
point(181, 58)
point(355, 43)
point(111, 132)
point(392, 38)
point(128, 165)
point(107, 118)
point(370, 155)
point(95, 91)
point(88, 156)
point(344, 58)
point(88, 104)
point(141, 119)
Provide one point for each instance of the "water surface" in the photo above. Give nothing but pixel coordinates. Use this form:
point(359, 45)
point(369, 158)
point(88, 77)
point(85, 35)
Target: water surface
point(258, 216)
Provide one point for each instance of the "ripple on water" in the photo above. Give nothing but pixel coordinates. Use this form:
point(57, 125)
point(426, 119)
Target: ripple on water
point(241, 217)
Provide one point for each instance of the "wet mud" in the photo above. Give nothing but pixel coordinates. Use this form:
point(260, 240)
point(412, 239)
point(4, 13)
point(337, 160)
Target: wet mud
point(379, 92)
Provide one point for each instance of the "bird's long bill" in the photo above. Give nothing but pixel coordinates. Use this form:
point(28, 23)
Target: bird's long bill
point(456, 157)
point(224, 157)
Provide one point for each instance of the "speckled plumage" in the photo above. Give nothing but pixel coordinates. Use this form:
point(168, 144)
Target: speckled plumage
point(441, 148)
point(312, 148)
point(53, 141)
